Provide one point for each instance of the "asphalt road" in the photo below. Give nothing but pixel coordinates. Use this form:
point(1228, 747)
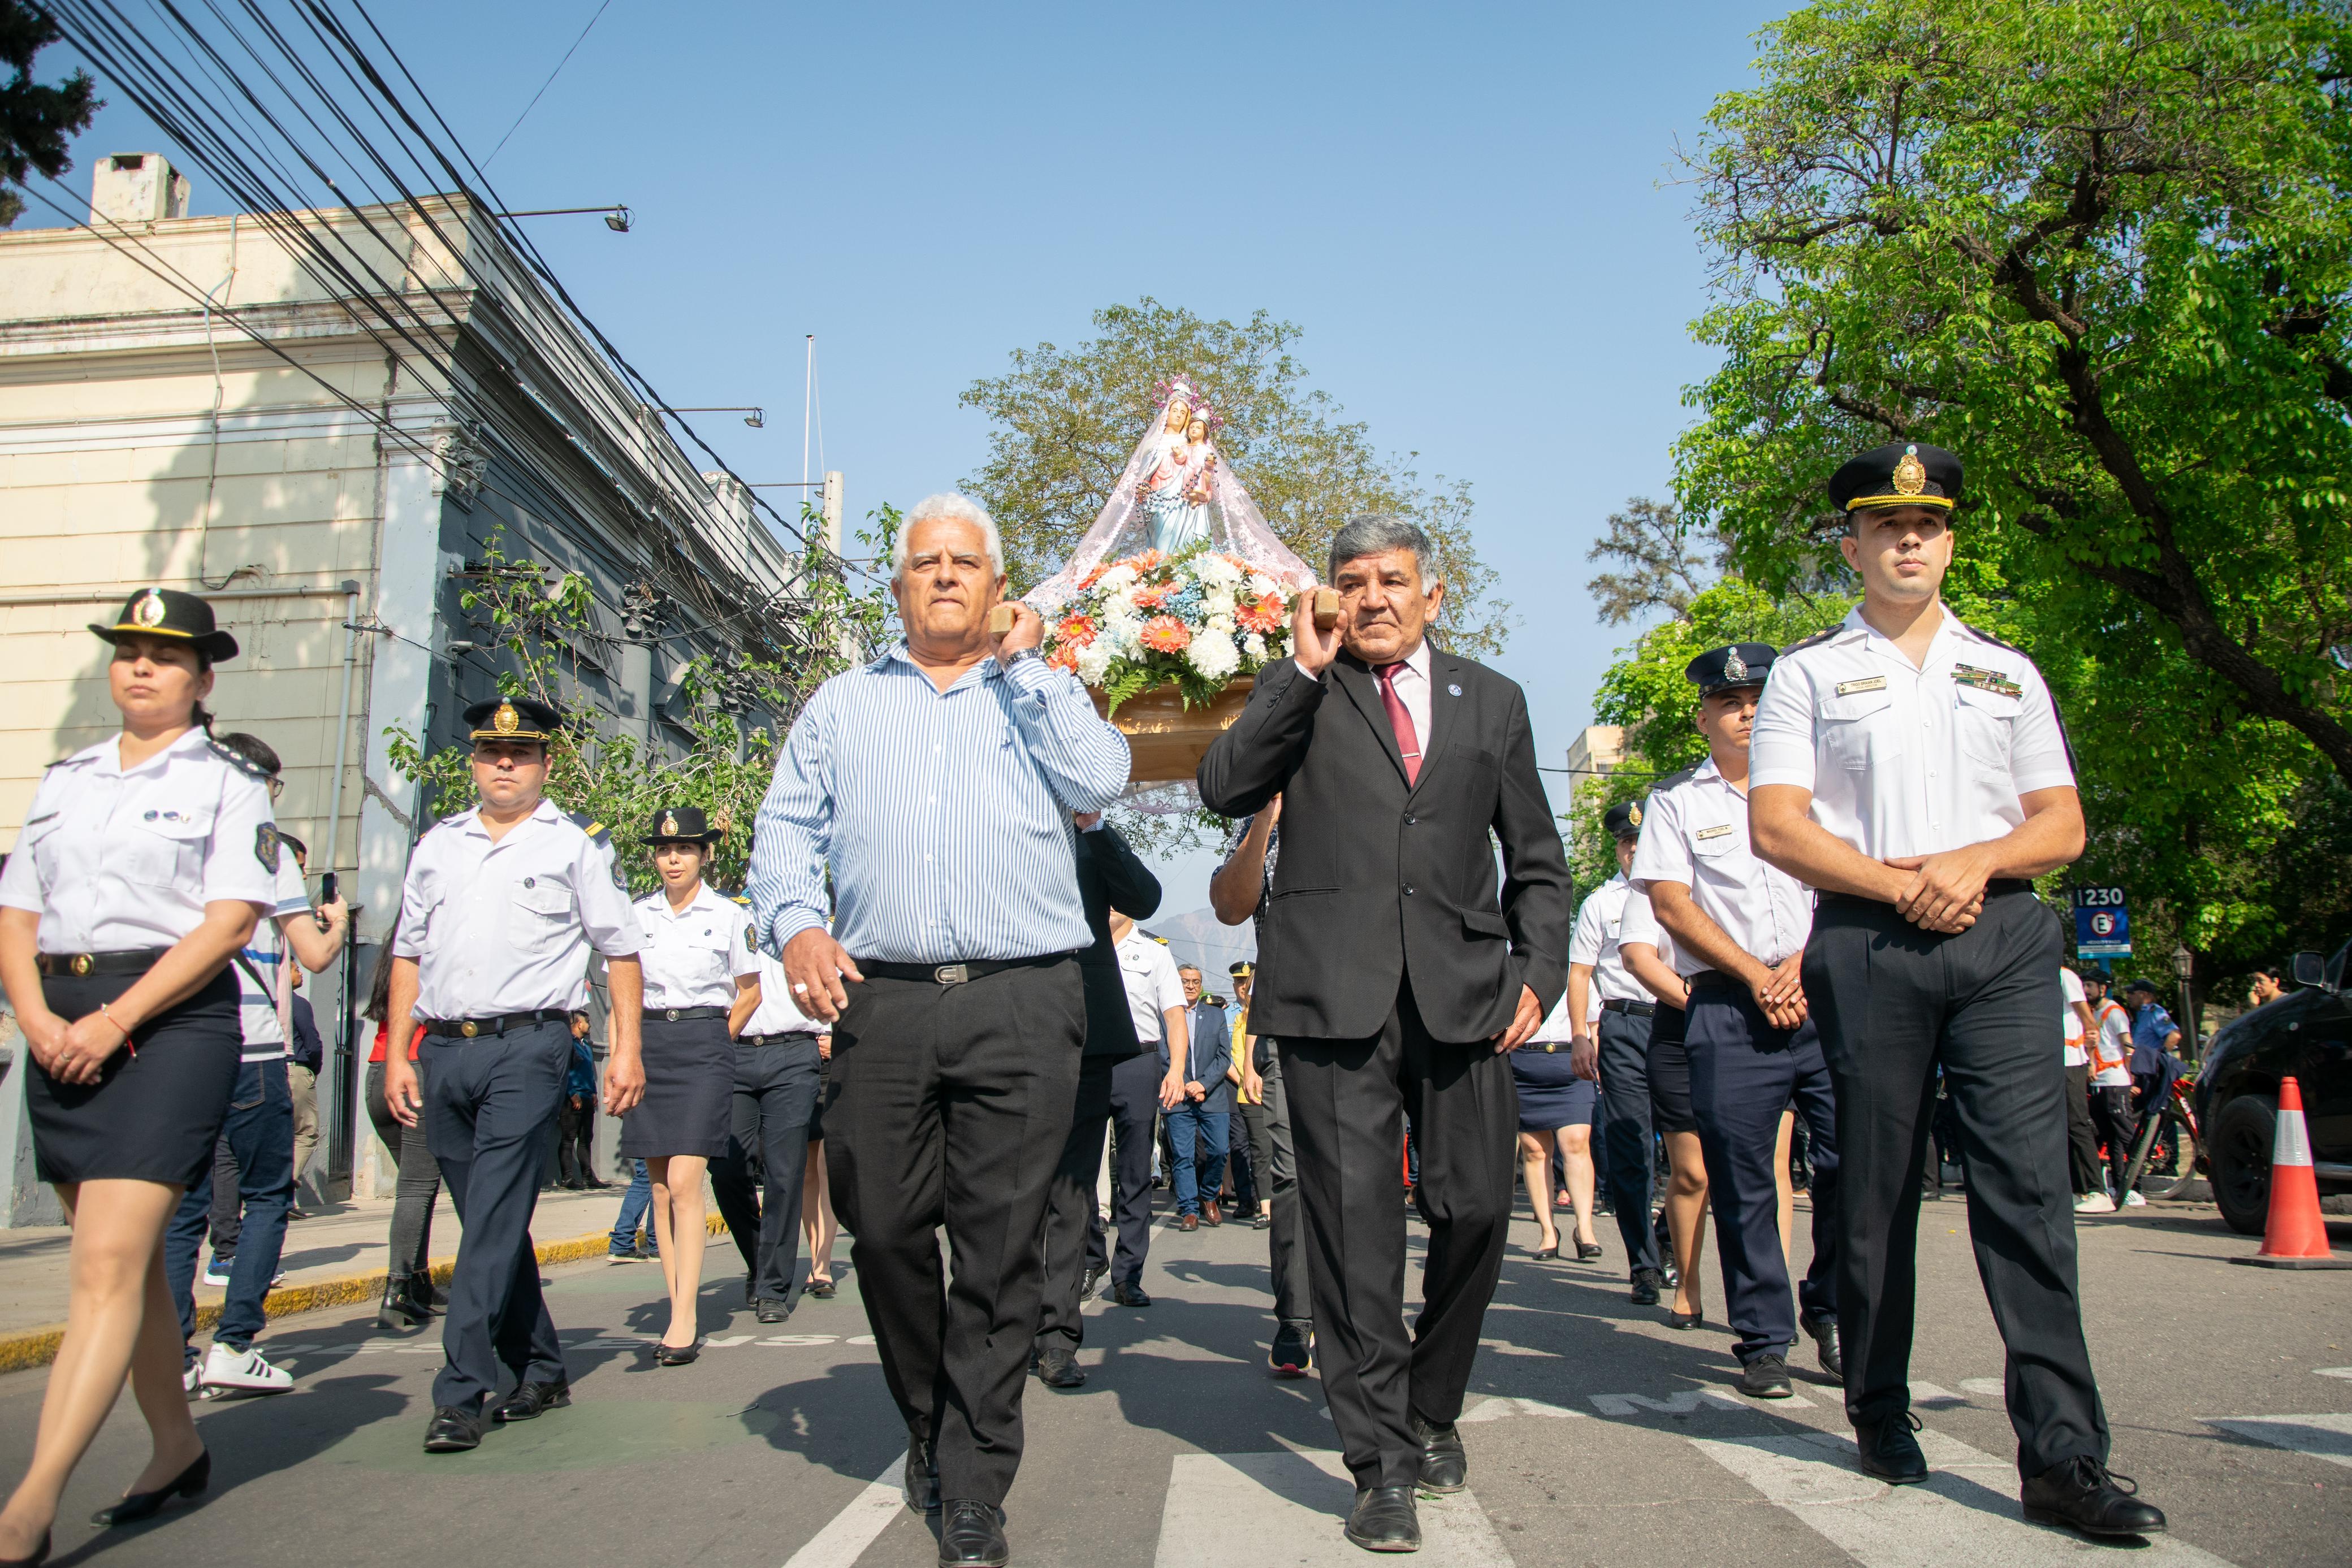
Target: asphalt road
point(1596, 1434)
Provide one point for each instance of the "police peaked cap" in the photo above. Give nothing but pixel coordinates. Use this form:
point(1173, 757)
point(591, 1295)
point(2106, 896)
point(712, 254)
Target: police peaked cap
point(176, 617)
point(682, 825)
point(1623, 820)
point(513, 718)
point(1726, 669)
point(1900, 474)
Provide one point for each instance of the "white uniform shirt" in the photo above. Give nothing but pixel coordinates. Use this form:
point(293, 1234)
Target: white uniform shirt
point(1412, 684)
point(506, 927)
point(693, 956)
point(1640, 924)
point(1695, 834)
point(2070, 991)
point(1152, 985)
point(259, 968)
point(112, 859)
point(2111, 1052)
point(1905, 761)
point(1600, 922)
point(776, 1014)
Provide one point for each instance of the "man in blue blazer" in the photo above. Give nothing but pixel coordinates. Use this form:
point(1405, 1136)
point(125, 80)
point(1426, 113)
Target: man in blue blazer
point(1198, 1125)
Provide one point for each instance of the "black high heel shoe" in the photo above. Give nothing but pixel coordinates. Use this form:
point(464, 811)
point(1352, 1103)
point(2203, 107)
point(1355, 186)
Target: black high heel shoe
point(138, 1505)
point(677, 1354)
point(399, 1310)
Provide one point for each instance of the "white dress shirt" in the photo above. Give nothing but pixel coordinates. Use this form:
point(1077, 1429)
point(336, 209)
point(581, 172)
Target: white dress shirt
point(776, 1014)
point(1905, 761)
point(1412, 682)
point(2070, 991)
point(1695, 834)
point(113, 859)
point(1640, 924)
point(1600, 922)
point(692, 956)
point(1152, 985)
point(506, 927)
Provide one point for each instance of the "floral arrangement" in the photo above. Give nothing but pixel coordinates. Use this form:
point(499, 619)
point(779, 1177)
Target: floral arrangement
point(1195, 621)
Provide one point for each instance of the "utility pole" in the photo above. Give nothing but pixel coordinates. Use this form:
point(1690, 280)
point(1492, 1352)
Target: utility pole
point(833, 511)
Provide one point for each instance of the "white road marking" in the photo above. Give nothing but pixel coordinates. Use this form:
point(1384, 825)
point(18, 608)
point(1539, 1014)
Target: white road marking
point(2325, 1436)
point(1285, 1511)
point(1985, 1387)
point(1681, 1402)
point(1965, 1511)
point(728, 1342)
point(2333, 1371)
point(1930, 1394)
point(846, 1538)
point(1500, 1408)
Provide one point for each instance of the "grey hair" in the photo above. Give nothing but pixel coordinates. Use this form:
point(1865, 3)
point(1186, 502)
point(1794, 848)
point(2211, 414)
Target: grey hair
point(961, 509)
point(1377, 533)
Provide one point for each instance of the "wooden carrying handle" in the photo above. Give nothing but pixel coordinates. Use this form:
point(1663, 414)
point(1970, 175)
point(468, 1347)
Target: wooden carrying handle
point(1327, 608)
point(1000, 620)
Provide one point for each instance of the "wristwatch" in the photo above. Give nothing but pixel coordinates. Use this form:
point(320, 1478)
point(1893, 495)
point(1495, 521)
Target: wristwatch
point(1024, 653)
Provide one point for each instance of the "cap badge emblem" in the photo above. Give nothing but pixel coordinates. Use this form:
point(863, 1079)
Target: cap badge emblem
point(505, 721)
point(1735, 668)
point(1633, 814)
point(1910, 475)
point(151, 610)
point(669, 823)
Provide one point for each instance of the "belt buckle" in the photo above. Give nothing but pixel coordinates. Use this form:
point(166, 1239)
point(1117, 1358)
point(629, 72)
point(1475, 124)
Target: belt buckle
point(952, 974)
point(671, 1016)
point(469, 1029)
point(81, 964)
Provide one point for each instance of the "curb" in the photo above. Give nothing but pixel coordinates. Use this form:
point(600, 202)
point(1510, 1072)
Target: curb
point(24, 1349)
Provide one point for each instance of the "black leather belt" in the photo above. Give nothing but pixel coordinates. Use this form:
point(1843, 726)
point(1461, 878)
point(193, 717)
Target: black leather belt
point(1549, 1047)
point(1619, 1005)
point(1993, 889)
point(954, 974)
point(786, 1038)
point(682, 1015)
point(1713, 978)
point(123, 961)
point(469, 1029)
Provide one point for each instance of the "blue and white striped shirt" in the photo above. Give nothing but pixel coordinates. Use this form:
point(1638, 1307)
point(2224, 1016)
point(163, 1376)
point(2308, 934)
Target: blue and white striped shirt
point(944, 816)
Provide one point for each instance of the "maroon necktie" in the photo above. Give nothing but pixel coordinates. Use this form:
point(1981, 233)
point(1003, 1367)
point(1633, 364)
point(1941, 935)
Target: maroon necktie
point(1408, 744)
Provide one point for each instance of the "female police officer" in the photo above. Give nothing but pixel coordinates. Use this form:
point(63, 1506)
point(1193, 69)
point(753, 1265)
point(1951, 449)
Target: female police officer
point(144, 862)
point(702, 981)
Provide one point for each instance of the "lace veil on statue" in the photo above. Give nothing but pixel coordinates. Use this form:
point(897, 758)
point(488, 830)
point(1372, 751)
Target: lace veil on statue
point(1126, 526)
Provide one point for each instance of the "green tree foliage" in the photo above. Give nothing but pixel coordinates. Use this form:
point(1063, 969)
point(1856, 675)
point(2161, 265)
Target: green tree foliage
point(1064, 422)
point(34, 119)
point(2101, 249)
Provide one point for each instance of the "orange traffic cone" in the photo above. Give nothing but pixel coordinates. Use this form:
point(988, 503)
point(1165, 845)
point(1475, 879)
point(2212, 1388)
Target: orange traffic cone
point(2295, 1237)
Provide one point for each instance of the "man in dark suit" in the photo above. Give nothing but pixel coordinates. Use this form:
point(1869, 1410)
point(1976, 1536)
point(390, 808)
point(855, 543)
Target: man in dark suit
point(1199, 1125)
point(1393, 973)
point(1109, 877)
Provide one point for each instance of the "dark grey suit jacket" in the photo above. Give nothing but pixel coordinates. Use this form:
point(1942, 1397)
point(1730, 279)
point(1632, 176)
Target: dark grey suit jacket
point(1378, 879)
point(1110, 877)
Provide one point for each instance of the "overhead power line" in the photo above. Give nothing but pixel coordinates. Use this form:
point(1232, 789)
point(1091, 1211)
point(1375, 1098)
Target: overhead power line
point(545, 85)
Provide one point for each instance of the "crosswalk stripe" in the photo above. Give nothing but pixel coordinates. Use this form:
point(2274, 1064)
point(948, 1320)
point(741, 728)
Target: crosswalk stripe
point(1284, 1509)
point(852, 1530)
point(1965, 1511)
point(2323, 1437)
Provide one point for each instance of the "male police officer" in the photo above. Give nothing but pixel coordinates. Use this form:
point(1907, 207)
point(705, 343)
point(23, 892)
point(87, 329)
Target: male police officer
point(1739, 928)
point(1615, 1051)
point(501, 907)
point(1914, 771)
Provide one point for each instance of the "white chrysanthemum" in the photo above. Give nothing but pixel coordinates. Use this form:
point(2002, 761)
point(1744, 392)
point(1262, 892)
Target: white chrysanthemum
point(1115, 579)
point(1094, 661)
point(1218, 601)
point(1220, 622)
point(1260, 585)
point(1123, 636)
point(1216, 570)
point(1253, 645)
point(1213, 655)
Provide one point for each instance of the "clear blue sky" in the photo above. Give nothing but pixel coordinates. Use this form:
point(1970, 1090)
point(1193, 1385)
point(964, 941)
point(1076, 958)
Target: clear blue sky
point(1468, 209)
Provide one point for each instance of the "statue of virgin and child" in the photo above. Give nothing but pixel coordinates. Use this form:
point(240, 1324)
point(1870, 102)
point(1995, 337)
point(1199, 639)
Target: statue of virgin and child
point(1176, 490)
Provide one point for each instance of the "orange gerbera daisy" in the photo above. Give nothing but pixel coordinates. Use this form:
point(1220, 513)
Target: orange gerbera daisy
point(1153, 596)
point(1075, 632)
point(1064, 657)
point(1166, 634)
point(1265, 615)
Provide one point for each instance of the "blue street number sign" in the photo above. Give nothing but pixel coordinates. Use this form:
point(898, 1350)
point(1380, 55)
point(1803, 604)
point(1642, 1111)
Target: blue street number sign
point(2102, 923)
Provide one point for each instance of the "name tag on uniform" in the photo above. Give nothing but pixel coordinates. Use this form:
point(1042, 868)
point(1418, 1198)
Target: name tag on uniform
point(1876, 684)
point(1713, 832)
point(1991, 681)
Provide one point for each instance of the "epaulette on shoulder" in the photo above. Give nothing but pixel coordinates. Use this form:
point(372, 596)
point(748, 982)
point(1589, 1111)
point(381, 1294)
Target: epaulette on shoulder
point(237, 760)
point(1815, 641)
point(1671, 779)
point(1981, 635)
point(597, 832)
point(1213, 999)
point(1161, 940)
point(744, 899)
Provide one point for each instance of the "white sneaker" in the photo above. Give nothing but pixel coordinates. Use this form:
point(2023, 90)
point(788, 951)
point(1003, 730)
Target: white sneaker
point(2094, 1203)
point(245, 1371)
point(2132, 1199)
point(191, 1380)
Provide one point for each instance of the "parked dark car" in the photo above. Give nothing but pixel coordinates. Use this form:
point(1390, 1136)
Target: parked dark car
point(2305, 1034)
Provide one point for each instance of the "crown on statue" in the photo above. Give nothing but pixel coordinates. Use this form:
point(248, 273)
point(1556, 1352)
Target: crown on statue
point(1174, 388)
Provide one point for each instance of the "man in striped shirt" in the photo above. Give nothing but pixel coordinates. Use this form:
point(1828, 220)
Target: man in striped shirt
point(937, 785)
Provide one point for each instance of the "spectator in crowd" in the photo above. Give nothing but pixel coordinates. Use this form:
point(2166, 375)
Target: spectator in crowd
point(306, 1054)
point(1200, 1113)
point(2111, 1092)
point(2269, 984)
point(2082, 1139)
point(410, 1298)
point(1155, 1002)
point(2156, 1062)
point(628, 1243)
point(1249, 1133)
point(575, 1119)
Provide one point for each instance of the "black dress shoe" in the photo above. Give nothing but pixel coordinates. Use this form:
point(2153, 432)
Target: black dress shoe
point(1766, 1377)
point(2083, 1494)
point(678, 1354)
point(920, 1485)
point(1265, 1220)
point(41, 1555)
point(139, 1505)
point(1093, 1281)
point(1130, 1295)
point(1676, 1320)
point(972, 1535)
point(1058, 1368)
point(1444, 1468)
point(769, 1309)
point(531, 1400)
point(1827, 1348)
point(1889, 1451)
point(1586, 1252)
point(1384, 1520)
point(1646, 1285)
point(453, 1431)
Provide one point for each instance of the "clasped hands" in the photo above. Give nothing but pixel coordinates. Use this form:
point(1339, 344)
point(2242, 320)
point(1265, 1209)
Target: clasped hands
point(74, 1052)
point(1946, 892)
point(1174, 1090)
